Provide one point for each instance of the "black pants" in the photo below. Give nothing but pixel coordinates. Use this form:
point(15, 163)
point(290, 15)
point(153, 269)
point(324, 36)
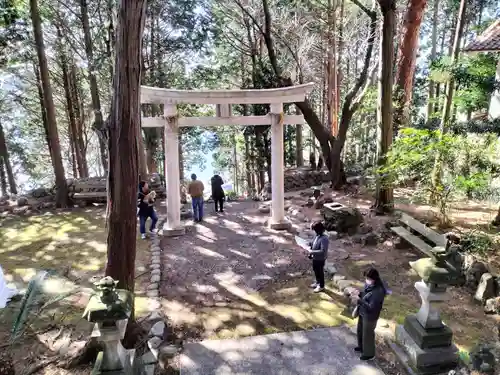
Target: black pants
point(366, 336)
point(219, 204)
point(318, 268)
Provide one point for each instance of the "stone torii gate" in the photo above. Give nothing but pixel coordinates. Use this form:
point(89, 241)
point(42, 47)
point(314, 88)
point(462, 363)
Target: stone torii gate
point(171, 122)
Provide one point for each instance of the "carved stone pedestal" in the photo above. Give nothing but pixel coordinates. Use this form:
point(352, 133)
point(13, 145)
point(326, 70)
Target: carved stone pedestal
point(424, 337)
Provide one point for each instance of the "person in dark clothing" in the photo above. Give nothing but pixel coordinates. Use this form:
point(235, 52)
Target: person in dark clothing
point(218, 192)
point(370, 303)
point(145, 203)
point(318, 253)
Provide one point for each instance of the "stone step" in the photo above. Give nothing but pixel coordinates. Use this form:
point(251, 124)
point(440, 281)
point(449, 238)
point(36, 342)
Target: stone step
point(416, 242)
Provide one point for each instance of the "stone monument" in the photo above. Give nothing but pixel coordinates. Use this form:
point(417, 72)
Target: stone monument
point(424, 337)
point(110, 310)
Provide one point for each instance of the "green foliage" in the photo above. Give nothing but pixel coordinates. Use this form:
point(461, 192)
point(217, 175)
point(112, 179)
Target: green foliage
point(477, 242)
point(470, 164)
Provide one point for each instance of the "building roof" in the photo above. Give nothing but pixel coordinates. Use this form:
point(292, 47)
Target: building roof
point(487, 41)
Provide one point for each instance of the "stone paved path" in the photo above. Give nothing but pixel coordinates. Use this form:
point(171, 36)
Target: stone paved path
point(230, 249)
point(325, 351)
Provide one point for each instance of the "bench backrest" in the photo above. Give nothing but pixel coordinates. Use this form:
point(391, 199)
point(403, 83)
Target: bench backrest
point(434, 237)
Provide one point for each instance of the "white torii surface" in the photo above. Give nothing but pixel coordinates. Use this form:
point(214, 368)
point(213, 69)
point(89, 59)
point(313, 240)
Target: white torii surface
point(171, 123)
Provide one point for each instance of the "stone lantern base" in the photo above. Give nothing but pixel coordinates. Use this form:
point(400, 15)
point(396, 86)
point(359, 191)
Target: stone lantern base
point(423, 336)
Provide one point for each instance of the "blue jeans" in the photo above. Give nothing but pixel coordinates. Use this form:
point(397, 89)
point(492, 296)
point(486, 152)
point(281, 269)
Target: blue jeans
point(144, 218)
point(197, 208)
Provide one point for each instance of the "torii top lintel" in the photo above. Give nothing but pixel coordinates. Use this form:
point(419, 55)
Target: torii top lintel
point(156, 95)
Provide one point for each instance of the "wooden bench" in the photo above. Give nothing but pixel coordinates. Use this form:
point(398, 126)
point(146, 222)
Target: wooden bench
point(418, 235)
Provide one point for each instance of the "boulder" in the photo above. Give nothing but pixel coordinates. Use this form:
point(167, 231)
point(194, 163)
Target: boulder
point(474, 273)
point(330, 269)
point(482, 359)
point(264, 209)
point(22, 201)
point(40, 192)
point(370, 239)
point(486, 288)
point(342, 219)
point(492, 306)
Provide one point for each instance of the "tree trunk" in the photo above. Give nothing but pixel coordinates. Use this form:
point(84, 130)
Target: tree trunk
point(299, 152)
point(143, 167)
point(80, 141)
point(449, 91)
point(4, 154)
point(384, 195)
point(496, 221)
point(407, 63)
point(3, 178)
point(98, 124)
point(73, 129)
point(248, 170)
point(331, 86)
point(53, 135)
point(124, 125)
point(432, 57)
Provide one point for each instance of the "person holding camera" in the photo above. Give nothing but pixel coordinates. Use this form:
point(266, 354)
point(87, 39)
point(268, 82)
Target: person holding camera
point(145, 203)
point(318, 253)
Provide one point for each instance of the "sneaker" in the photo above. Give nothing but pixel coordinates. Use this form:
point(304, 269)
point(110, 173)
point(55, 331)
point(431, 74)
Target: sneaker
point(366, 358)
point(143, 236)
point(358, 349)
point(314, 285)
point(154, 231)
point(318, 289)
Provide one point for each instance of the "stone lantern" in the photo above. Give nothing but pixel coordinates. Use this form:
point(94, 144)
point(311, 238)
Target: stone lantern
point(110, 310)
point(424, 337)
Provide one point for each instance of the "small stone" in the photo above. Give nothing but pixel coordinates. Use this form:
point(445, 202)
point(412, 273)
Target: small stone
point(370, 239)
point(155, 253)
point(155, 248)
point(309, 203)
point(155, 278)
point(152, 286)
point(332, 235)
point(155, 260)
point(156, 271)
point(486, 288)
point(343, 284)
point(154, 316)
point(157, 329)
point(168, 351)
point(492, 305)
point(154, 266)
point(22, 201)
point(264, 209)
point(337, 278)
point(155, 342)
point(330, 269)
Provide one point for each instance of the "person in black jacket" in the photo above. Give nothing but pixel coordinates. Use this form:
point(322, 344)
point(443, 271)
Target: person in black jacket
point(370, 303)
point(218, 192)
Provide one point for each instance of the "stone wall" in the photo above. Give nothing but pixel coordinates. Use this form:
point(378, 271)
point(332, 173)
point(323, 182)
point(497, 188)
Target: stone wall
point(298, 179)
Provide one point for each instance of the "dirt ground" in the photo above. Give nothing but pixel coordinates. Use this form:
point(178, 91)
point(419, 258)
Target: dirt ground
point(227, 277)
point(230, 276)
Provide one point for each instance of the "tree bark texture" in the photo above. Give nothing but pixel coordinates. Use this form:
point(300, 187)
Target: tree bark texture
point(98, 124)
point(3, 179)
point(123, 151)
point(4, 154)
point(48, 101)
point(407, 62)
point(384, 195)
point(432, 57)
point(299, 157)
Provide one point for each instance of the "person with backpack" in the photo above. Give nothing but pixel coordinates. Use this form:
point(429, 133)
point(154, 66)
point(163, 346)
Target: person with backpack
point(369, 306)
point(145, 203)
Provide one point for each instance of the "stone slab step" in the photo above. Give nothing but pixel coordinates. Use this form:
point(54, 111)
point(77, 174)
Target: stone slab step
point(416, 242)
point(324, 351)
point(436, 238)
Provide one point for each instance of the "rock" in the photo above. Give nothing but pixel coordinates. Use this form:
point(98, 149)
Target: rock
point(22, 201)
point(152, 293)
point(186, 214)
point(264, 209)
point(152, 286)
point(156, 271)
point(155, 342)
point(365, 229)
point(474, 273)
point(319, 203)
point(155, 279)
point(401, 244)
point(327, 199)
point(309, 203)
point(492, 306)
point(155, 260)
point(40, 192)
point(332, 235)
point(157, 329)
point(154, 316)
point(342, 219)
point(343, 284)
point(330, 269)
point(21, 210)
point(154, 266)
point(486, 288)
point(483, 359)
point(336, 279)
point(370, 239)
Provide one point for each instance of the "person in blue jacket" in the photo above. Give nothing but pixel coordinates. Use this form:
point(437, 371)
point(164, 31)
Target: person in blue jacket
point(370, 303)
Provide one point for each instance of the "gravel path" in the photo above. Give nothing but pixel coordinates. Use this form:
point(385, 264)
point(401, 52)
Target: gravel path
point(234, 248)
